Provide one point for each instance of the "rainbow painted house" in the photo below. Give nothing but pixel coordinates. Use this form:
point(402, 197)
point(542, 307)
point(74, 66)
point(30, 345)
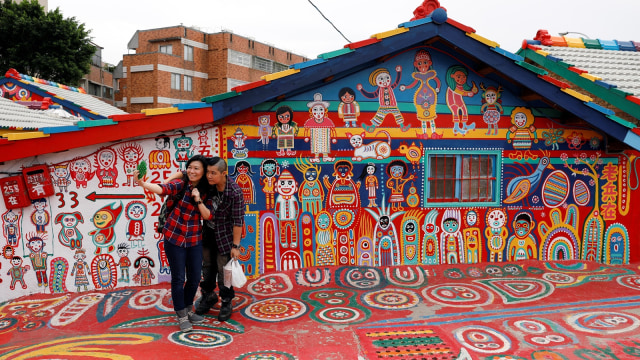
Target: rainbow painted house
point(427, 144)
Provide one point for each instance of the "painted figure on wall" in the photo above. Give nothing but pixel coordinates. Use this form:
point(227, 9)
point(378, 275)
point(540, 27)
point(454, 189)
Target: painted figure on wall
point(69, 235)
point(287, 209)
point(184, 150)
point(386, 245)
point(104, 220)
point(496, 233)
point(11, 226)
point(522, 245)
point(381, 79)
point(264, 130)
point(491, 108)
point(410, 244)
point(105, 161)
point(348, 109)
point(17, 271)
point(376, 149)
point(319, 130)
point(284, 131)
point(311, 192)
point(457, 90)
point(144, 264)
point(160, 158)
point(81, 171)
point(80, 270)
point(269, 169)
point(522, 133)
point(430, 247)
point(61, 177)
point(325, 252)
point(124, 263)
point(239, 150)
point(425, 98)
point(35, 243)
point(370, 180)
point(40, 217)
point(451, 242)
point(131, 154)
point(343, 203)
point(397, 172)
point(472, 238)
point(242, 173)
point(136, 211)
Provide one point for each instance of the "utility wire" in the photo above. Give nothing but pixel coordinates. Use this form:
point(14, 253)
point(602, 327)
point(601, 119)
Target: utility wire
point(349, 41)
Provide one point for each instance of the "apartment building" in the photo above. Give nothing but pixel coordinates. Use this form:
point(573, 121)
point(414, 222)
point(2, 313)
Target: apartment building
point(180, 64)
point(99, 81)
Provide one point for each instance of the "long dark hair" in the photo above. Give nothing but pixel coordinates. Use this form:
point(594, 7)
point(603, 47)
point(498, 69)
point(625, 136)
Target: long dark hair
point(203, 184)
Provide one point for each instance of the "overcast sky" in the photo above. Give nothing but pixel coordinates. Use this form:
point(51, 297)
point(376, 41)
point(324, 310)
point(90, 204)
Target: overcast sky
point(295, 25)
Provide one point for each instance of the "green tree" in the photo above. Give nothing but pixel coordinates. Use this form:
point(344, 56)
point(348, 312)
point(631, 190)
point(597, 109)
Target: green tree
point(43, 44)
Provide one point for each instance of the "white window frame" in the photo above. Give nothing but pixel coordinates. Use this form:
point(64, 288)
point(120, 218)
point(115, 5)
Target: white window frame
point(188, 83)
point(175, 81)
point(262, 64)
point(188, 53)
point(239, 58)
point(166, 49)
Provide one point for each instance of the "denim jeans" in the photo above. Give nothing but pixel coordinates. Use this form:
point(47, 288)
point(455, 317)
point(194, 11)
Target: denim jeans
point(213, 266)
point(185, 264)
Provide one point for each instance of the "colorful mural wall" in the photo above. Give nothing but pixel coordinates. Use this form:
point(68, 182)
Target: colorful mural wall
point(416, 161)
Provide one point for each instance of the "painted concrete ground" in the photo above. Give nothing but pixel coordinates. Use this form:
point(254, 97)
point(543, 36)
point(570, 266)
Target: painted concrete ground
point(524, 310)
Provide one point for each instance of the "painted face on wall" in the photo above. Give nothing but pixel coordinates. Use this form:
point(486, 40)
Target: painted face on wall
point(383, 79)
point(131, 155)
point(520, 119)
point(423, 64)
point(450, 225)
point(161, 144)
point(243, 169)
point(371, 170)
point(384, 222)
point(430, 228)
point(106, 158)
point(79, 256)
point(472, 218)
point(396, 171)
point(8, 252)
point(347, 98)
point(409, 227)
point(343, 170)
point(287, 185)
point(16, 261)
point(102, 219)
point(318, 112)
point(496, 219)
point(35, 244)
point(522, 227)
point(144, 263)
point(323, 221)
point(269, 169)
point(136, 211)
point(284, 118)
point(61, 172)
point(122, 252)
point(311, 174)
point(459, 77)
point(40, 205)
point(81, 166)
point(490, 97)
point(183, 143)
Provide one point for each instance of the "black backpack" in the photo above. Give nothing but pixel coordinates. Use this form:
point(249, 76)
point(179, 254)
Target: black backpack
point(166, 210)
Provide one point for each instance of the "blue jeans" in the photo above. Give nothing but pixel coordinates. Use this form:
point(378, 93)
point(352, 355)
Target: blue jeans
point(184, 263)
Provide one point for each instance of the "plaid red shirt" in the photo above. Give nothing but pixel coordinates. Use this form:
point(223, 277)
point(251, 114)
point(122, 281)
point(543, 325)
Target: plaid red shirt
point(184, 226)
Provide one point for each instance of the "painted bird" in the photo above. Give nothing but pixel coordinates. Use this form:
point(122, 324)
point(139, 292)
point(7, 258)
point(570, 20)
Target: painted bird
point(521, 186)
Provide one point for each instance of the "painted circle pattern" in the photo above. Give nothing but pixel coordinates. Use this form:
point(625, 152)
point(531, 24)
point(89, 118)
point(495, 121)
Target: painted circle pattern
point(204, 339)
point(339, 315)
point(558, 278)
point(458, 295)
point(391, 299)
point(603, 323)
point(266, 355)
point(630, 281)
point(275, 310)
point(272, 284)
point(482, 339)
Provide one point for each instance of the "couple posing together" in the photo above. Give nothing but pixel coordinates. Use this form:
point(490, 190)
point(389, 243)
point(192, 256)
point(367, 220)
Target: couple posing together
point(203, 194)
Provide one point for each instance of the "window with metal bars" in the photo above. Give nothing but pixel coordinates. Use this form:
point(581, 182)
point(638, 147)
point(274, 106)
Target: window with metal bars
point(461, 178)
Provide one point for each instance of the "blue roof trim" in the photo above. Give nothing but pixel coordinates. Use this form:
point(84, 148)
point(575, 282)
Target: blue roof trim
point(534, 42)
point(632, 139)
point(609, 44)
point(414, 23)
point(197, 105)
point(553, 58)
point(605, 84)
point(306, 64)
point(60, 129)
point(508, 54)
point(602, 109)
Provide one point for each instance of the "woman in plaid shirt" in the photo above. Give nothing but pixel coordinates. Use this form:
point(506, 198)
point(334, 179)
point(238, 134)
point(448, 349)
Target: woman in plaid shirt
point(183, 236)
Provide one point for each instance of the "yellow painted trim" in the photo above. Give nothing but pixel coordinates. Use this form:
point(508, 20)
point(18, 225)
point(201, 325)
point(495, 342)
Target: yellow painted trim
point(26, 135)
point(161, 111)
point(577, 95)
point(484, 40)
point(389, 33)
point(542, 52)
point(590, 77)
point(279, 74)
point(574, 42)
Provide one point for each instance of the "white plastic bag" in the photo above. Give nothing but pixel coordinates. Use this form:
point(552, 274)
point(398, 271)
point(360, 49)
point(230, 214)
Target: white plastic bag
point(234, 275)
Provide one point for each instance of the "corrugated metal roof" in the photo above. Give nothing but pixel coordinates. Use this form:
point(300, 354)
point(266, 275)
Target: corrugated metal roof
point(19, 117)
